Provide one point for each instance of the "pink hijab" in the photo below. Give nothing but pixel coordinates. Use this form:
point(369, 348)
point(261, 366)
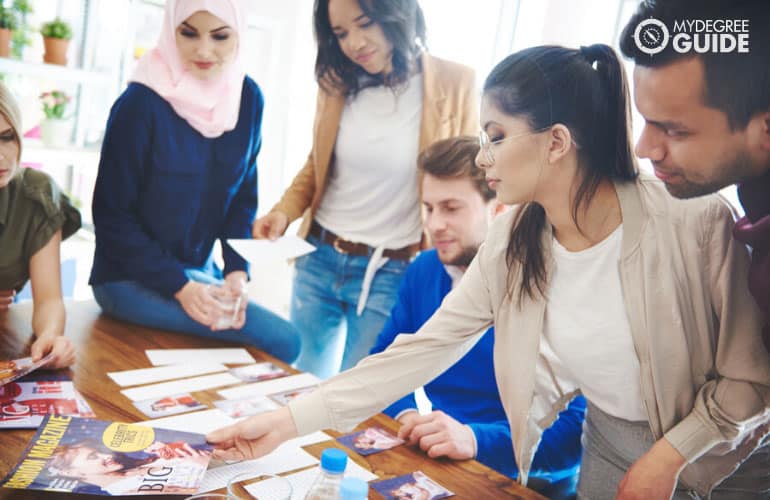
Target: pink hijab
point(210, 106)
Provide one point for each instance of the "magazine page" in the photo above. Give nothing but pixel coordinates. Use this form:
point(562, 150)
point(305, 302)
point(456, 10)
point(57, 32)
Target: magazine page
point(79, 455)
point(23, 405)
point(12, 369)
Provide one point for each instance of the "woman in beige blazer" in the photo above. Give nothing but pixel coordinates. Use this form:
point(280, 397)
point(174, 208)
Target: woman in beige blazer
point(598, 282)
point(382, 100)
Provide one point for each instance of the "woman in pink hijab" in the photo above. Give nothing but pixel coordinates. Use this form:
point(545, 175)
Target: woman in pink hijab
point(177, 172)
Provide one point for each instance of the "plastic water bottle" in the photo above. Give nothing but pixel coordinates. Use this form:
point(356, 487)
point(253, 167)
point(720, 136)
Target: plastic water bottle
point(327, 484)
point(352, 488)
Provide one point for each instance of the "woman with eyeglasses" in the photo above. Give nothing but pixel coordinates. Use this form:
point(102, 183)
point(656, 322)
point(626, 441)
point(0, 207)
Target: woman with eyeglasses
point(597, 281)
point(382, 100)
point(35, 216)
point(178, 171)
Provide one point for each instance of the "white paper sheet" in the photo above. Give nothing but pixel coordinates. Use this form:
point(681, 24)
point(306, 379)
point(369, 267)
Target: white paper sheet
point(235, 355)
point(284, 458)
point(270, 386)
point(301, 481)
point(201, 422)
point(280, 460)
point(283, 248)
point(180, 386)
point(157, 374)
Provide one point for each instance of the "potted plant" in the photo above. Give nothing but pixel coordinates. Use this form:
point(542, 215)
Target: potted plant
point(55, 129)
point(8, 23)
point(56, 37)
point(21, 39)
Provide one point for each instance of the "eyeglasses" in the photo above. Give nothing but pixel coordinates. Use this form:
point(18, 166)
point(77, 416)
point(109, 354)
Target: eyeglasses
point(485, 143)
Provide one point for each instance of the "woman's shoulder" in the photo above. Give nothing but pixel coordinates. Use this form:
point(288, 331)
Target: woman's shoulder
point(660, 204)
point(46, 199)
point(444, 68)
point(251, 94)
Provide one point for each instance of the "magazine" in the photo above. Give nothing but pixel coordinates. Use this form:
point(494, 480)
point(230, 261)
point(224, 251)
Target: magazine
point(23, 404)
point(12, 369)
point(80, 455)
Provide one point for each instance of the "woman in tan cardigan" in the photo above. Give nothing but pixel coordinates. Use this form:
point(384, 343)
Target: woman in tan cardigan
point(598, 282)
point(382, 100)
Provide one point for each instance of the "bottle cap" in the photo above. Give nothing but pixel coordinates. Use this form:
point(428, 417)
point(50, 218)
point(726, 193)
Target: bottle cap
point(352, 488)
point(334, 460)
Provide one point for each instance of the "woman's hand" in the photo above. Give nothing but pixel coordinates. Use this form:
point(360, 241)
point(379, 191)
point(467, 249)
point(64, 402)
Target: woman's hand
point(654, 475)
point(6, 299)
point(197, 301)
point(254, 437)
point(58, 346)
point(271, 226)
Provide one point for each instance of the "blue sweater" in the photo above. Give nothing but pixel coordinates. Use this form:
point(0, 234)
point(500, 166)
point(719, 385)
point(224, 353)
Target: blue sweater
point(164, 193)
point(467, 391)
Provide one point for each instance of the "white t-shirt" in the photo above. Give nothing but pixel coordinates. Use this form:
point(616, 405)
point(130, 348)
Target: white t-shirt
point(587, 337)
point(372, 193)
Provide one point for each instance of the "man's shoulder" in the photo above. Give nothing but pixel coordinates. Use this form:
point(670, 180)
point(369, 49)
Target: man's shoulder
point(426, 261)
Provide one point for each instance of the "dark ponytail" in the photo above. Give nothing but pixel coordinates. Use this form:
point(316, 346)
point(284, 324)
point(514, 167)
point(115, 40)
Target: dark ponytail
point(585, 90)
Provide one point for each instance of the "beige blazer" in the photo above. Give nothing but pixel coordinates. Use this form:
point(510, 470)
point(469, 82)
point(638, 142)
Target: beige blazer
point(705, 374)
point(449, 108)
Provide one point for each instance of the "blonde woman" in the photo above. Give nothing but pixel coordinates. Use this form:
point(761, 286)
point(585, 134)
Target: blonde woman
point(34, 219)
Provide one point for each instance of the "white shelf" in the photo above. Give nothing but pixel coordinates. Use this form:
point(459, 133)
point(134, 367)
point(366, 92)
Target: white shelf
point(54, 71)
point(33, 151)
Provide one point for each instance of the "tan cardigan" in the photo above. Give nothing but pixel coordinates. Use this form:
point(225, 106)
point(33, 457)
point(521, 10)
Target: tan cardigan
point(705, 375)
point(449, 108)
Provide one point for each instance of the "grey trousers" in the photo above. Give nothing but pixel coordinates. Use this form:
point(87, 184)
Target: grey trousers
point(611, 445)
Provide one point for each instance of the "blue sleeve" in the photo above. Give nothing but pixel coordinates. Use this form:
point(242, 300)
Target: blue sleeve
point(244, 206)
point(400, 321)
point(125, 153)
point(560, 447)
point(493, 446)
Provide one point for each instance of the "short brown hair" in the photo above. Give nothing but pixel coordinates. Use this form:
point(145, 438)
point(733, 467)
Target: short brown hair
point(453, 158)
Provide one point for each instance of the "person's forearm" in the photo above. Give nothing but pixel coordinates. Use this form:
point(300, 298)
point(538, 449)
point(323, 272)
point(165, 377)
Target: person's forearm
point(48, 318)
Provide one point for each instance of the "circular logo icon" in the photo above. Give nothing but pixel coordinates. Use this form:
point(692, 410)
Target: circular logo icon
point(651, 36)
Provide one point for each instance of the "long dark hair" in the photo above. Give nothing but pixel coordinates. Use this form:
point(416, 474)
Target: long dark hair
point(403, 23)
point(585, 90)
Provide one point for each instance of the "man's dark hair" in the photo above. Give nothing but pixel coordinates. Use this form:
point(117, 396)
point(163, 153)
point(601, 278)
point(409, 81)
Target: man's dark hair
point(403, 24)
point(455, 158)
point(738, 84)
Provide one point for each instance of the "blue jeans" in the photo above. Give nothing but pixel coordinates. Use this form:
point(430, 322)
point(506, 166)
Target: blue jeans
point(130, 301)
point(323, 307)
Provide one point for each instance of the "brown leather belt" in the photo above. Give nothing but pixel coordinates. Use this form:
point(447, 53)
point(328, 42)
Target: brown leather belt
point(360, 249)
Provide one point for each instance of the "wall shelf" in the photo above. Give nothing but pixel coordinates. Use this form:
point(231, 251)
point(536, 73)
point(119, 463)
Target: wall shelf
point(54, 72)
point(34, 151)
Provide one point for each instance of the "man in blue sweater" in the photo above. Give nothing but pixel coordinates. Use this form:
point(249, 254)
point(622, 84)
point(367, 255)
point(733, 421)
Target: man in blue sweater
point(468, 420)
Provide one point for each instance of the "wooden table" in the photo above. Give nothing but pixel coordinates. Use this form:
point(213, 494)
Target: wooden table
point(104, 345)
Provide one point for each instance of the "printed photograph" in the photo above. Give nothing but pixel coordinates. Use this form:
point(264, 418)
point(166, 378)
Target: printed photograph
point(371, 440)
point(246, 407)
point(258, 372)
point(283, 398)
point(169, 405)
point(414, 486)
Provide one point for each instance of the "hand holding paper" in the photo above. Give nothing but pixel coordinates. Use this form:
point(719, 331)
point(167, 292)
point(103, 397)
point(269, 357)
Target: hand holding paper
point(253, 437)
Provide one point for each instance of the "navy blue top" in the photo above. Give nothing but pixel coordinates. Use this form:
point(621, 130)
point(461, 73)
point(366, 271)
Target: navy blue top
point(468, 392)
point(164, 193)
